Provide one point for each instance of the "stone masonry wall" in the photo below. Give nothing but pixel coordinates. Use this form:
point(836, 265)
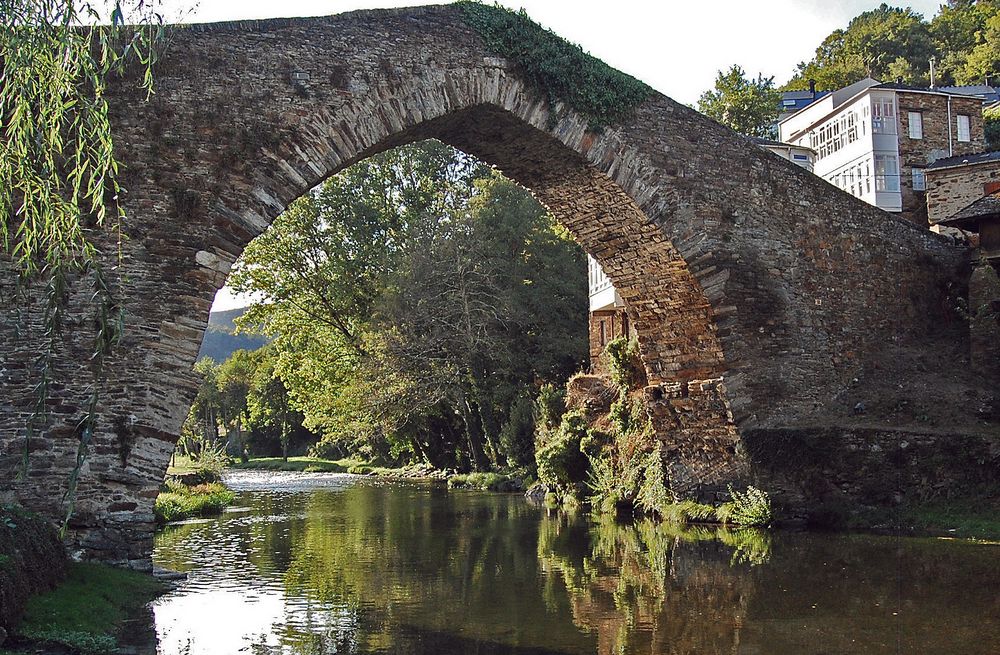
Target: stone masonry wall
point(758, 292)
point(954, 188)
point(940, 139)
point(616, 324)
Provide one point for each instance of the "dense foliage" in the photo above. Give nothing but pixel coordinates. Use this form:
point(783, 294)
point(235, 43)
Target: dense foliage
point(416, 302)
point(749, 106)
point(889, 43)
point(556, 67)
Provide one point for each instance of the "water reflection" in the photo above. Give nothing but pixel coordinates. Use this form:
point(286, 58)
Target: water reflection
point(336, 564)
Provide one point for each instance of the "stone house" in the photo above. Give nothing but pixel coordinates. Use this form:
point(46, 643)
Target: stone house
point(953, 183)
point(608, 318)
point(876, 141)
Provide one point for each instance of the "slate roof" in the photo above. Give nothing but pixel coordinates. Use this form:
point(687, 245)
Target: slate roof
point(964, 160)
point(988, 205)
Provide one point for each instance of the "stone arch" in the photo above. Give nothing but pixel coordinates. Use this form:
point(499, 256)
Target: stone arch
point(756, 289)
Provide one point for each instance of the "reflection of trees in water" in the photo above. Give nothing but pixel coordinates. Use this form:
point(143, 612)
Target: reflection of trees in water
point(651, 587)
point(414, 571)
point(408, 563)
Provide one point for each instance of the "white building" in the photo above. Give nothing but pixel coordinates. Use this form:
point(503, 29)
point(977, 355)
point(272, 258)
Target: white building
point(800, 155)
point(873, 140)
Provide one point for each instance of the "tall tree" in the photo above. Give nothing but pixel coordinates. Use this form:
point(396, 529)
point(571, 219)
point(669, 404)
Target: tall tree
point(749, 106)
point(884, 43)
point(412, 299)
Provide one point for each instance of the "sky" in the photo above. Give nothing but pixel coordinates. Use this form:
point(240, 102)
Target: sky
point(675, 47)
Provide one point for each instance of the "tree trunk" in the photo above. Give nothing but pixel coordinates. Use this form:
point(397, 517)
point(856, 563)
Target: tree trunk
point(476, 457)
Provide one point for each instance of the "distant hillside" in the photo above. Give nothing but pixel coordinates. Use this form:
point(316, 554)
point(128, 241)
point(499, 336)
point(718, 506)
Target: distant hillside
point(220, 342)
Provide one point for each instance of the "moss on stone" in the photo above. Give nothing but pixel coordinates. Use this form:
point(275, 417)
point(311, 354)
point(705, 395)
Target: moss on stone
point(556, 67)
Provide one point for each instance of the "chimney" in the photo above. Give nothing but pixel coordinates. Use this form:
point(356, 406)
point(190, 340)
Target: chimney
point(933, 81)
point(812, 87)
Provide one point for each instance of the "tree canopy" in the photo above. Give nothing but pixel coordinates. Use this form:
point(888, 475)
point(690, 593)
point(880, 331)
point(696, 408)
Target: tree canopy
point(749, 106)
point(413, 299)
point(890, 42)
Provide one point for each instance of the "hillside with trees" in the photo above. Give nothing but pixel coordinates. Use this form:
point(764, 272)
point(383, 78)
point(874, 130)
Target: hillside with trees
point(886, 43)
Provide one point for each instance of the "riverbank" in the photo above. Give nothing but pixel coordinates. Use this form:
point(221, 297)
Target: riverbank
point(497, 482)
point(85, 613)
point(179, 501)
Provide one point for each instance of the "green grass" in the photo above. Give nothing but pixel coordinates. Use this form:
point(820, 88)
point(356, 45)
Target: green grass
point(966, 520)
point(182, 465)
point(85, 612)
point(181, 502)
point(303, 464)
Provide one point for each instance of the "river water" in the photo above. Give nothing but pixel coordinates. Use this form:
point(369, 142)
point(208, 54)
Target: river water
point(327, 563)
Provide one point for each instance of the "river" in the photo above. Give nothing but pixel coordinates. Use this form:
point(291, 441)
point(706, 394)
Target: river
point(327, 563)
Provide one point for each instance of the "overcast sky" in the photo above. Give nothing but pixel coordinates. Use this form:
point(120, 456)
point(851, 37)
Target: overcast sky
point(676, 47)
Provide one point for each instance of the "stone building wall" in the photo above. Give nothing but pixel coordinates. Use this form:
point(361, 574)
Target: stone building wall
point(940, 139)
point(956, 187)
point(605, 326)
point(758, 292)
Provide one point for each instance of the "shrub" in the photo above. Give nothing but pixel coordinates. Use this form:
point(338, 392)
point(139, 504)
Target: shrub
point(687, 511)
point(517, 436)
point(628, 414)
point(180, 502)
point(486, 482)
point(550, 406)
point(624, 363)
point(653, 493)
point(559, 459)
point(748, 508)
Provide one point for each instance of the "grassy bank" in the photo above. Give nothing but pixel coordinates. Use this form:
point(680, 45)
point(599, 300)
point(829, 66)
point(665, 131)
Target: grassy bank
point(180, 502)
point(967, 520)
point(85, 613)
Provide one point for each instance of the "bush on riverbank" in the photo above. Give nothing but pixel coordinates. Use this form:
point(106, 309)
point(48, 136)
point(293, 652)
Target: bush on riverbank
point(85, 612)
point(486, 482)
point(32, 560)
point(181, 502)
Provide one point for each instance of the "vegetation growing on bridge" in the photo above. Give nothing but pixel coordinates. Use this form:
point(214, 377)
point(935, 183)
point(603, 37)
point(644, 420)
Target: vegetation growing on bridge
point(59, 177)
point(556, 67)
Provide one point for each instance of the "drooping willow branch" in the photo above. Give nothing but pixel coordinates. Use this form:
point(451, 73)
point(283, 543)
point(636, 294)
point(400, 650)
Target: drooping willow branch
point(59, 177)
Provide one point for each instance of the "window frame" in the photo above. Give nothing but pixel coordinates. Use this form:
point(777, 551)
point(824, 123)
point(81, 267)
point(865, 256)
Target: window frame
point(968, 128)
point(915, 128)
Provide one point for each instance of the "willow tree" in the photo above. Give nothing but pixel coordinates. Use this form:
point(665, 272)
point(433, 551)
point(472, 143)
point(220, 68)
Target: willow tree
point(60, 215)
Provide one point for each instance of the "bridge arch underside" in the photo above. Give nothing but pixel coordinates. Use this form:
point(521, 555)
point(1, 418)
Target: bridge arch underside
point(758, 291)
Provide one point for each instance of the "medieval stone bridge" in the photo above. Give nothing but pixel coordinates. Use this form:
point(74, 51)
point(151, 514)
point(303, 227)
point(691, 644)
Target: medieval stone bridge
point(758, 291)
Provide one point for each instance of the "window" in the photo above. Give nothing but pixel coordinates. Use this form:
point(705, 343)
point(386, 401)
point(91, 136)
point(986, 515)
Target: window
point(919, 181)
point(883, 116)
point(604, 334)
point(788, 103)
point(963, 128)
point(886, 173)
point(916, 122)
point(800, 157)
